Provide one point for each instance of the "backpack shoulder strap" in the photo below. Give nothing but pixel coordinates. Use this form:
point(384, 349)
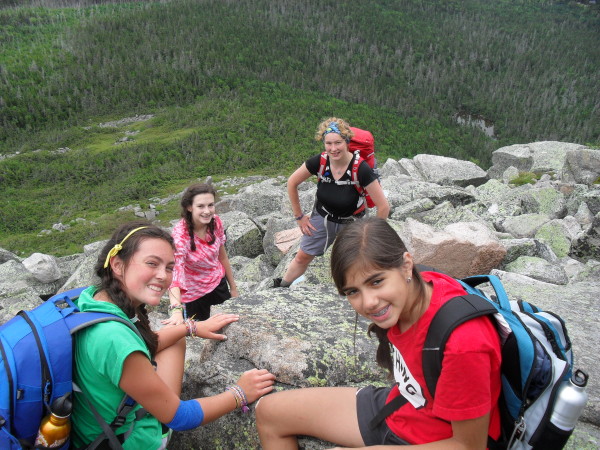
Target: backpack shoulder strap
point(453, 313)
point(355, 165)
point(322, 166)
point(78, 321)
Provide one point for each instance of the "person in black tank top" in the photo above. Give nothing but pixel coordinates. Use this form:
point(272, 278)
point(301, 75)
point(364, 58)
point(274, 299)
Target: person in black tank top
point(337, 201)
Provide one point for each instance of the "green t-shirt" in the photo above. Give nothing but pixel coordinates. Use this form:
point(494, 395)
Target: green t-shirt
point(100, 351)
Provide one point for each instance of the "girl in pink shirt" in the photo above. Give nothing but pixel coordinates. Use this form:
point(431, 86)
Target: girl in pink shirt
point(202, 275)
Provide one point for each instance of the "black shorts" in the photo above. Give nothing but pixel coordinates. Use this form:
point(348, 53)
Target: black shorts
point(199, 309)
point(369, 401)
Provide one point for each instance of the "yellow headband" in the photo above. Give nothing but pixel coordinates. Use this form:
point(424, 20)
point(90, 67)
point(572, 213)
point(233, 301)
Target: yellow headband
point(113, 251)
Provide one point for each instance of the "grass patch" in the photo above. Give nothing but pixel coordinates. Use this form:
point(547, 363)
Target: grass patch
point(94, 226)
point(525, 178)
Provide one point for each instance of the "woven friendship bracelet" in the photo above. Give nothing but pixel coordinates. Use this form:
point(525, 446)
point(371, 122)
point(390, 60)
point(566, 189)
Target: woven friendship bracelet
point(241, 401)
point(191, 327)
point(174, 309)
point(242, 393)
point(235, 396)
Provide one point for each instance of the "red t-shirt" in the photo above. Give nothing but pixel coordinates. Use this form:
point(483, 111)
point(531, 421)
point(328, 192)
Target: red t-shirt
point(469, 384)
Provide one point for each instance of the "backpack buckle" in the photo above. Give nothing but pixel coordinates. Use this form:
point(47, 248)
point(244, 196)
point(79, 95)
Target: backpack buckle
point(518, 431)
point(118, 422)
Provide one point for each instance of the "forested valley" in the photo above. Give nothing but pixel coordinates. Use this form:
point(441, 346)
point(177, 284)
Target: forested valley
point(238, 87)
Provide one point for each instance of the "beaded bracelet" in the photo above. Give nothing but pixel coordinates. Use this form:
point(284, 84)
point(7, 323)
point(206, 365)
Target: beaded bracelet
point(240, 397)
point(191, 327)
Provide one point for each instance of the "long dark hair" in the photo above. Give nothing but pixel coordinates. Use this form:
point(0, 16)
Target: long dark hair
point(114, 288)
point(186, 201)
point(371, 243)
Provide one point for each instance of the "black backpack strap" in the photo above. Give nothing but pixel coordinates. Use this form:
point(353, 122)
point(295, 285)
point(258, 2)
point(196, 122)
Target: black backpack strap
point(107, 431)
point(108, 434)
point(389, 408)
point(127, 403)
point(424, 268)
point(452, 313)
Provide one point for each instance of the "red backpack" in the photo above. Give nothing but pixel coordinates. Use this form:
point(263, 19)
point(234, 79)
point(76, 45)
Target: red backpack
point(363, 142)
point(362, 145)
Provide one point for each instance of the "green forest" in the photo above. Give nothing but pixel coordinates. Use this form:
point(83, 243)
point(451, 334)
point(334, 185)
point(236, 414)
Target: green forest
point(238, 87)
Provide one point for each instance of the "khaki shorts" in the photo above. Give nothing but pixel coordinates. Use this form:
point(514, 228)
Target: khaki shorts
point(321, 238)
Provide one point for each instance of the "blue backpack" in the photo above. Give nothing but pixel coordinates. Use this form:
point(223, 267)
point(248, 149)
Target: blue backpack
point(36, 368)
point(536, 359)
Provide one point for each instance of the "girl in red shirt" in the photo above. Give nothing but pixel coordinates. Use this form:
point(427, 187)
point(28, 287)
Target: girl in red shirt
point(372, 268)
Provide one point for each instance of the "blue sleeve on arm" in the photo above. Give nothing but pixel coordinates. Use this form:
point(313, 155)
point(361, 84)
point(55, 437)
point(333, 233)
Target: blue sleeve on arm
point(188, 416)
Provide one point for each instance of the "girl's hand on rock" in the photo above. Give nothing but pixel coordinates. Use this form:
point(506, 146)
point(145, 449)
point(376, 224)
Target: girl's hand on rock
point(207, 328)
point(175, 319)
point(255, 383)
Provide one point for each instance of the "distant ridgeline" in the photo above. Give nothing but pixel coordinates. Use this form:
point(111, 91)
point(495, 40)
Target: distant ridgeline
point(421, 59)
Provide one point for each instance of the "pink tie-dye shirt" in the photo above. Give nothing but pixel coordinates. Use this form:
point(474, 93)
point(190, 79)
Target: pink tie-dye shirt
point(200, 272)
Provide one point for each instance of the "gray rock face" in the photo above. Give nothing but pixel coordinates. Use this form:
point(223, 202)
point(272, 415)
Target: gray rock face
point(537, 157)
point(5, 255)
point(450, 171)
point(543, 240)
point(243, 236)
point(275, 225)
point(588, 245)
point(43, 267)
point(538, 269)
point(523, 226)
point(392, 168)
point(258, 199)
point(545, 200)
point(318, 350)
point(582, 165)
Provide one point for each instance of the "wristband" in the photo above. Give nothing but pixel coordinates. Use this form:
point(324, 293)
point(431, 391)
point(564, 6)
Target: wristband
point(300, 216)
point(188, 416)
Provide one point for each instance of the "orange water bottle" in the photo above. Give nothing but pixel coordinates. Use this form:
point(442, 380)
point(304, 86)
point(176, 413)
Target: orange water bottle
point(56, 426)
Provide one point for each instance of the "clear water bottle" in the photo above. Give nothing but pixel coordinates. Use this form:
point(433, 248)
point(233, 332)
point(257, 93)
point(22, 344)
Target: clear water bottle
point(56, 426)
point(570, 401)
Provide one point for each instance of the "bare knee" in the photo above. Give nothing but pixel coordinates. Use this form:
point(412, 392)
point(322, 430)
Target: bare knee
point(267, 413)
point(304, 259)
point(262, 410)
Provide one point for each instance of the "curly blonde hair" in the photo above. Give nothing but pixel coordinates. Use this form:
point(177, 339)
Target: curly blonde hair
point(342, 125)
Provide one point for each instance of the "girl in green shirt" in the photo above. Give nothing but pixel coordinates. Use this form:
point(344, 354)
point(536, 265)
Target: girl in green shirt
point(111, 360)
